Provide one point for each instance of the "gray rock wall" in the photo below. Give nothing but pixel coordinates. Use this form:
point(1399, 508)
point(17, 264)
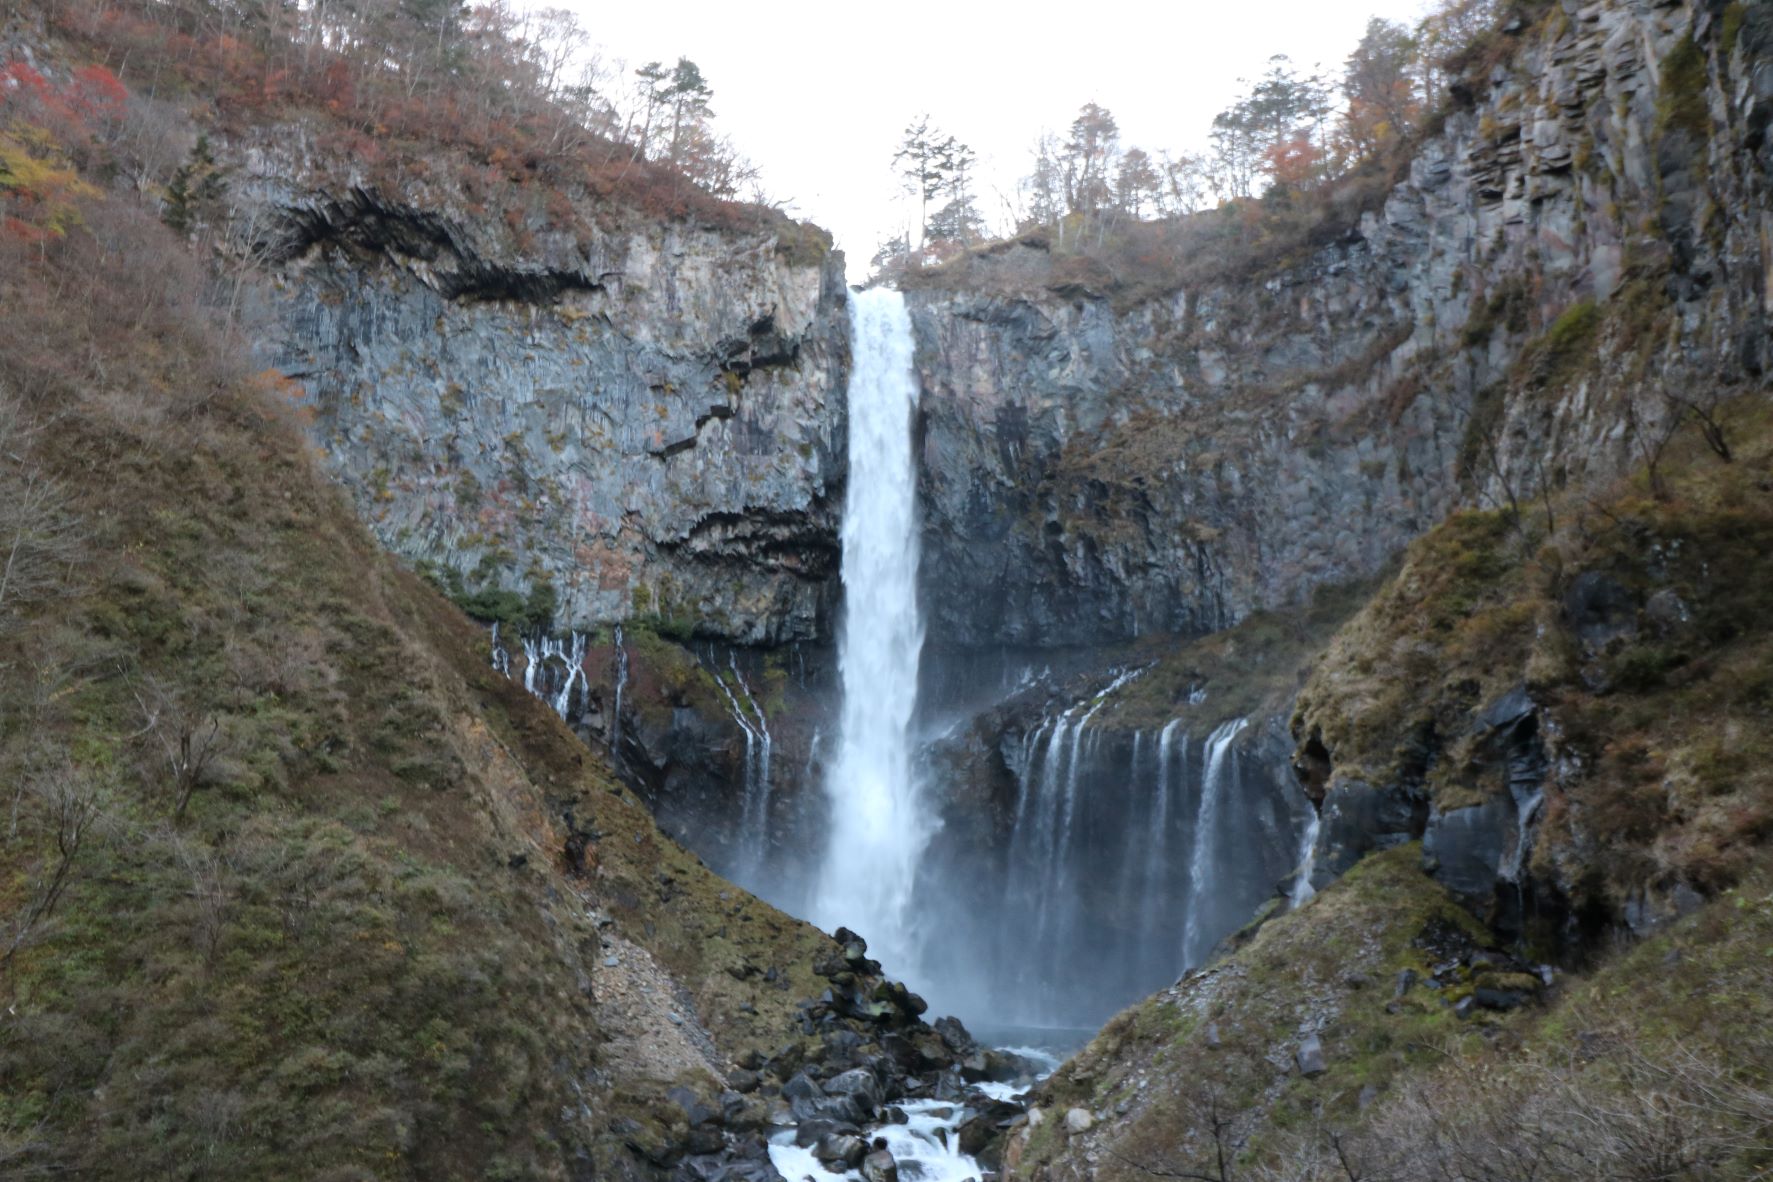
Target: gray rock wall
point(1094, 472)
point(650, 420)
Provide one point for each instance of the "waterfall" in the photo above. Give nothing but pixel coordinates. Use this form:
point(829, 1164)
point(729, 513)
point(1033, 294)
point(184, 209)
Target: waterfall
point(1206, 824)
point(537, 652)
point(878, 826)
point(615, 718)
point(754, 799)
point(1302, 889)
point(501, 656)
point(1157, 853)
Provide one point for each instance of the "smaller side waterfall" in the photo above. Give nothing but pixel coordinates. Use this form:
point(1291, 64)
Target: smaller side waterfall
point(1303, 891)
point(552, 667)
point(1157, 856)
point(752, 839)
point(615, 717)
point(1202, 862)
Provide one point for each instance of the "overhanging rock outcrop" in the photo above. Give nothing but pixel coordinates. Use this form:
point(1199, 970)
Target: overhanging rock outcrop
point(644, 413)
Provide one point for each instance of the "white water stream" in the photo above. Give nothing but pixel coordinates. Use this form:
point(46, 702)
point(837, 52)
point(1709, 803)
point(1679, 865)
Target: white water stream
point(878, 825)
point(1206, 839)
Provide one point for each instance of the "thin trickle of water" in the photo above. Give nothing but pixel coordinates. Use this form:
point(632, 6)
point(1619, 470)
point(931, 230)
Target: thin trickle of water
point(753, 835)
point(878, 827)
point(501, 656)
point(1206, 823)
point(615, 718)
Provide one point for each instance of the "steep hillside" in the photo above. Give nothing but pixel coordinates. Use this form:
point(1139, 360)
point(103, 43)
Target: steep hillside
point(1379, 1033)
point(291, 874)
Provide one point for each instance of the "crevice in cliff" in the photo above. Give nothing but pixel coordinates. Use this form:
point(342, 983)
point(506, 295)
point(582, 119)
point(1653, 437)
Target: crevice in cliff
point(796, 542)
point(428, 244)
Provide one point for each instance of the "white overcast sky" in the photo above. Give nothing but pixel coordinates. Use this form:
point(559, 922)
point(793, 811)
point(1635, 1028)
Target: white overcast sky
point(818, 94)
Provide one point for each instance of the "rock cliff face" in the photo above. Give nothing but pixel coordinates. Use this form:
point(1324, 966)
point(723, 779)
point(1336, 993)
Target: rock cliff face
point(1096, 471)
point(646, 416)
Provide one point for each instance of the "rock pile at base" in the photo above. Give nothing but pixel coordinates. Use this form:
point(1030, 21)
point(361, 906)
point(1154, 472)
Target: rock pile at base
point(863, 1048)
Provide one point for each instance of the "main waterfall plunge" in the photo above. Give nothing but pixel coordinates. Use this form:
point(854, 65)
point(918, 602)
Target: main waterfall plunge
point(1021, 845)
point(878, 829)
point(1124, 857)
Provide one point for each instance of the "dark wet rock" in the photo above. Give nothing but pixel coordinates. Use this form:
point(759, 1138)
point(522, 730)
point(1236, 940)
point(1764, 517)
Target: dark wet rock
point(879, 1166)
point(743, 1080)
point(1600, 610)
point(696, 1110)
point(810, 1132)
point(955, 1035)
point(841, 1150)
point(859, 1084)
point(1499, 999)
point(1464, 848)
point(704, 1139)
point(1359, 818)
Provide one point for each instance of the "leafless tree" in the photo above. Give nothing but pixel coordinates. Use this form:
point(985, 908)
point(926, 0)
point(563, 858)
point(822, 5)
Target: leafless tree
point(187, 737)
point(209, 892)
point(1706, 409)
point(40, 537)
point(1651, 439)
point(1217, 1130)
point(68, 801)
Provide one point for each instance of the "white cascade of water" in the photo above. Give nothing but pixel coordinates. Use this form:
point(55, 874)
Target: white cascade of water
point(878, 827)
point(757, 775)
point(501, 656)
point(1206, 822)
point(615, 718)
point(532, 664)
point(1303, 891)
point(574, 659)
point(1157, 856)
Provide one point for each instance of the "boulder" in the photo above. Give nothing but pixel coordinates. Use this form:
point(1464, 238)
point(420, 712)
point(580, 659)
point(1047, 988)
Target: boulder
point(811, 1132)
point(858, 1084)
point(1078, 1120)
point(802, 1087)
point(879, 1166)
point(844, 1151)
point(955, 1035)
point(1310, 1056)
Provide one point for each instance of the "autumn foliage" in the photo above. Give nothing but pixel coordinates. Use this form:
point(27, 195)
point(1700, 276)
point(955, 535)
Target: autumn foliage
point(478, 95)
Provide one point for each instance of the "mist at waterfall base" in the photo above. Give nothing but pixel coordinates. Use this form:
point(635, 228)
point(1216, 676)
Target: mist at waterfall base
point(1119, 858)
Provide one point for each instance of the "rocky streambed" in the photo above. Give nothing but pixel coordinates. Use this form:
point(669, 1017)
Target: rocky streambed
point(869, 1091)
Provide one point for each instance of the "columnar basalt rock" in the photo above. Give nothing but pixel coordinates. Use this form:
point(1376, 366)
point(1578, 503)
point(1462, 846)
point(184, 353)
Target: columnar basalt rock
point(1098, 467)
point(647, 416)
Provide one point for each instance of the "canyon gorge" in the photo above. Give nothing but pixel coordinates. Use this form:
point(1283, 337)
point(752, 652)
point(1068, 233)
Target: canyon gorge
point(1044, 717)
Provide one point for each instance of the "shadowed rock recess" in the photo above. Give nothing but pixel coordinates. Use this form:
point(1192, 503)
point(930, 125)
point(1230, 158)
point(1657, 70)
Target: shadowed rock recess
point(1344, 720)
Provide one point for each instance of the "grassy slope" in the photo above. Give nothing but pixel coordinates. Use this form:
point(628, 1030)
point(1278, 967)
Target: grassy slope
point(1660, 1056)
point(358, 949)
point(1661, 732)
